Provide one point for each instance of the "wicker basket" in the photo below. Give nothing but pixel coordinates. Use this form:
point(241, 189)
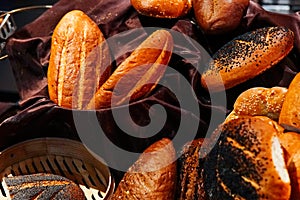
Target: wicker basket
point(59, 156)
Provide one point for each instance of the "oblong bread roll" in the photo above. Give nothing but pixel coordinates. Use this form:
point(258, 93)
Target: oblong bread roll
point(289, 116)
point(138, 74)
point(79, 60)
point(162, 8)
point(152, 176)
point(247, 56)
point(246, 162)
point(290, 141)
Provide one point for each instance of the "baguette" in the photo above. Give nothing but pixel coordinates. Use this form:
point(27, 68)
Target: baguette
point(162, 8)
point(289, 116)
point(138, 74)
point(219, 16)
point(152, 176)
point(247, 56)
point(79, 61)
point(247, 162)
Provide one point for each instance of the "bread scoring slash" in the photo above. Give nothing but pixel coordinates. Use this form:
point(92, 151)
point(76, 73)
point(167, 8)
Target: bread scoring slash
point(42, 186)
point(138, 74)
point(79, 60)
point(219, 16)
point(247, 162)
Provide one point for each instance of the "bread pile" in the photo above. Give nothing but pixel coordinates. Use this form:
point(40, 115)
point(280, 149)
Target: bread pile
point(213, 16)
point(250, 156)
point(79, 71)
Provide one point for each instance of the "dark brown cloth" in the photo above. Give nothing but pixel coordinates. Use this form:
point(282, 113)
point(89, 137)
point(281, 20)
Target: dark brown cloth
point(37, 116)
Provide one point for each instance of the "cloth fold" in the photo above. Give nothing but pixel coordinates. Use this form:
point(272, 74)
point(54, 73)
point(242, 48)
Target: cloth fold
point(37, 116)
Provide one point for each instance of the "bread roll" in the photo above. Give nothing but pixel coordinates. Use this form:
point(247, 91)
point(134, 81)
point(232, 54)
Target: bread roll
point(137, 75)
point(291, 143)
point(219, 16)
point(246, 56)
point(261, 101)
point(289, 116)
point(190, 167)
point(247, 162)
point(152, 176)
point(79, 61)
point(162, 8)
point(42, 186)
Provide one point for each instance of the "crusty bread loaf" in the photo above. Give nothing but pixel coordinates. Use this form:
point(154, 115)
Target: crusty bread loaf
point(190, 168)
point(79, 60)
point(137, 75)
point(42, 186)
point(152, 176)
point(219, 16)
point(261, 101)
point(162, 8)
point(289, 116)
point(247, 162)
point(246, 56)
point(291, 143)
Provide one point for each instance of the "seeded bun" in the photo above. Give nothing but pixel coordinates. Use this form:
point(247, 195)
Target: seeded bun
point(260, 101)
point(246, 56)
point(247, 162)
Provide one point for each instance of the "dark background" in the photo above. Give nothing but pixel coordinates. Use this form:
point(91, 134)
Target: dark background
point(8, 89)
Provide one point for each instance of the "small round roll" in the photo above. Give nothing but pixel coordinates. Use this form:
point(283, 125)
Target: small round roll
point(247, 56)
point(162, 8)
point(261, 101)
point(219, 16)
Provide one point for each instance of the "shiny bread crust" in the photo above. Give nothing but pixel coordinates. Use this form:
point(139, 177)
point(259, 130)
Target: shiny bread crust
point(289, 116)
point(162, 8)
point(219, 16)
point(247, 162)
point(138, 74)
point(79, 60)
point(152, 176)
point(247, 56)
point(260, 101)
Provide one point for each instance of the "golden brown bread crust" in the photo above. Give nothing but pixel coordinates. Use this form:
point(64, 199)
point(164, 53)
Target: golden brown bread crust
point(139, 73)
point(246, 56)
point(42, 186)
point(78, 61)
point(219, 16)
point(291, 143)
point(289, 116)
point(190, 169)
point(261, 101)
point(152, 176)
point(162, 8)
point(247, 162)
